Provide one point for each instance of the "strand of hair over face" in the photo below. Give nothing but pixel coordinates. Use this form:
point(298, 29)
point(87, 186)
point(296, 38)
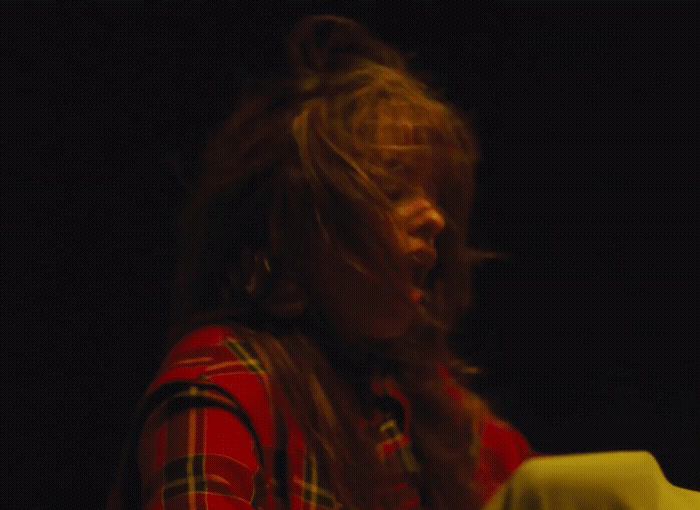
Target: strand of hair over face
point(374, 131)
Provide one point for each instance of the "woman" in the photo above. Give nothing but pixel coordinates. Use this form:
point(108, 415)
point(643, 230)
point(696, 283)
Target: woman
point(323, 263)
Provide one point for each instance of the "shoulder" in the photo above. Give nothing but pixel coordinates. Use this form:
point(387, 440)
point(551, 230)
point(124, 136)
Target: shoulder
point(507, 445)
point(214, 354)
point(501, 447)
point(219, 360)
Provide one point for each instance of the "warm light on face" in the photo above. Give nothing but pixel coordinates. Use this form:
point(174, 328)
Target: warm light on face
point(359, 306)
point(385, 150)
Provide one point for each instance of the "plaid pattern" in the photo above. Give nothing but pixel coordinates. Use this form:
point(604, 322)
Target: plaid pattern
point(398, 444)
point(251, 363)
point(315, 491)
point(217, 434)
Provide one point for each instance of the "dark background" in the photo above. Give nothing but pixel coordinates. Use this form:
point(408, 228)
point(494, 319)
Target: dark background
point(587, 332)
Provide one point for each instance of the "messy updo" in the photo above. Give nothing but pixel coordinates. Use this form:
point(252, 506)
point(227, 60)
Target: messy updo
point(314, 157)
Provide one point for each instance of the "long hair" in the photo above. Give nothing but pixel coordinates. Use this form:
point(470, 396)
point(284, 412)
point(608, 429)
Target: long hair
point(313, 160)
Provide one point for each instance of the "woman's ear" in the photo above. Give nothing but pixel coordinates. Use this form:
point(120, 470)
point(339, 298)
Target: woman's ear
point(286, 299)
point(279, 296)
point(259, 272)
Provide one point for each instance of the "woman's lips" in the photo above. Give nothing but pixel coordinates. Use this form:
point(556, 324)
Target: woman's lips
point(422, 262)
point(416, 295)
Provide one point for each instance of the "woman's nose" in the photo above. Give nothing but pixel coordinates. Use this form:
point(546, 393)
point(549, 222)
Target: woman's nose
point(427, 222)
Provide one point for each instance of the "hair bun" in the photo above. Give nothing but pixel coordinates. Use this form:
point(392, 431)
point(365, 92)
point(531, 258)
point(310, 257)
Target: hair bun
point(326, 43)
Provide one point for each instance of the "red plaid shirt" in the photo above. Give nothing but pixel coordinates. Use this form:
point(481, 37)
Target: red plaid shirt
point(217, 434)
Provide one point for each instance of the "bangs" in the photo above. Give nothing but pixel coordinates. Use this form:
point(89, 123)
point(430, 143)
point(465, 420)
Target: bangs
point(402, 134)
point(372, 135)
point(418, 143)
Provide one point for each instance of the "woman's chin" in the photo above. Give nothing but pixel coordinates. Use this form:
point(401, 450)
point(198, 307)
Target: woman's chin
point(395, 327)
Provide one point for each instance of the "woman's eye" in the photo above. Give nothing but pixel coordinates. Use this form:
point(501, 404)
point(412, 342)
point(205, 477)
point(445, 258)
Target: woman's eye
point(395, 194)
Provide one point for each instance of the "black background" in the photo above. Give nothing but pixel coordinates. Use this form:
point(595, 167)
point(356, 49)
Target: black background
point(587, 331)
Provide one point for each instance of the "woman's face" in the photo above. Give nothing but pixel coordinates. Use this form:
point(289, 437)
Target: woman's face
point(361, 307)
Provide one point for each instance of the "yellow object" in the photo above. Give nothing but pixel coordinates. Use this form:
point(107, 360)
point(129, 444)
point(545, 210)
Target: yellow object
point(606, 481)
